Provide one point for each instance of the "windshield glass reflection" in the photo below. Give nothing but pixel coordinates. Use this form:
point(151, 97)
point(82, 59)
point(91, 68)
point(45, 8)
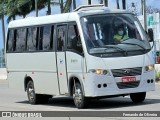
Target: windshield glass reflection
point(114, 33)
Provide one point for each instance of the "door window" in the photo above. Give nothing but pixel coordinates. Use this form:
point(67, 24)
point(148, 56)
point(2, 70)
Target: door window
point(61, 37)
point(74, 41)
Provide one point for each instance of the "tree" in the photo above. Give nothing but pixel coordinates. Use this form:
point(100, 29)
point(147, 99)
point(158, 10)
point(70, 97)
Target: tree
point(12, 10)
point(74, 4)
point(150, 10)
point(49, 7)
point(51, 3)
point(89, 2)
point(117, 1)
point(105, 2)
point(133, 8)
point(65, 6)
point(2, 13)
point(24, 7)
point(61, 5)
point(124, 4)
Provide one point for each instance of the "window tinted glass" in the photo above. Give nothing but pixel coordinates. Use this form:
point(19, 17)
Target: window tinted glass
point(118, 30)
point(20, 39)
point(46, 37)
point(32, 39)
point(10, 40)
point(61, 37)
point(74, 41)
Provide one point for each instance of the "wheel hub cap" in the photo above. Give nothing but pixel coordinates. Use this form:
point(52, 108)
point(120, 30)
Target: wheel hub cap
point(77, 96)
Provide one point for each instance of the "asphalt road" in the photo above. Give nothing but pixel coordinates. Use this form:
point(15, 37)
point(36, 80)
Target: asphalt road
point(13, 100)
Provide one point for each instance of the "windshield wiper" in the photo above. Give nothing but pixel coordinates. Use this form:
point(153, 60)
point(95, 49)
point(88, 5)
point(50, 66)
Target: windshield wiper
point(124, 52)
point(134, 44)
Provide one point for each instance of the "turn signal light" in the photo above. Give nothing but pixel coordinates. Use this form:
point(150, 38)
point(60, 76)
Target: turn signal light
point(99, 71)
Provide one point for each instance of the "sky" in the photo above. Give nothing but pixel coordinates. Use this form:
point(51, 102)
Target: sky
point(111, 4)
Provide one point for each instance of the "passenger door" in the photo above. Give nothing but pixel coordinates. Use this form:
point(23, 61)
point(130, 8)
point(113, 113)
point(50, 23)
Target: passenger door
point(74, 53)
point(61, 60)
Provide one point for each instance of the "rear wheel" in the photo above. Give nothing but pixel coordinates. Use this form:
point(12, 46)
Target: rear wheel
point(35, 98)
point(138, 97)
point(78, 96)
point(32, 97)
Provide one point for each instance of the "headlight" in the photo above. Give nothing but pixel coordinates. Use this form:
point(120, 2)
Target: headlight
point(149, 68)
point(99, 71)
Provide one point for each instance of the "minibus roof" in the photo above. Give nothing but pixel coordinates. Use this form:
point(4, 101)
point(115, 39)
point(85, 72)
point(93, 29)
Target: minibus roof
point(100, 8)
point(59, 18)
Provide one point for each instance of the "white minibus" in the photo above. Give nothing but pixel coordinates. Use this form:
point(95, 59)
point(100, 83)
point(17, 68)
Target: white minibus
point(93, 52)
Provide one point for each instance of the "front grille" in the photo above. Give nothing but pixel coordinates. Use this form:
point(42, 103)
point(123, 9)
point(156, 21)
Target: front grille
point(127, 72)
point(122, 85)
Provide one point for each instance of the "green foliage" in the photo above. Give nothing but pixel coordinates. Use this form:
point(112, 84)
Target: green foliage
point(67, 6)
point(12, 8)
point(2, 7)
point(24, 7)
point(157, 76)
point(1, 11)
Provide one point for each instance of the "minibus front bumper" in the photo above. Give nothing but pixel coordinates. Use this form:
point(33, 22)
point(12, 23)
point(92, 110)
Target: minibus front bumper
point(102, 85)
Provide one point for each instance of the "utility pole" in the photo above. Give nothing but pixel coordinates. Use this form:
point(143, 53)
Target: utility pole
point(143, 2)
point(36, 9)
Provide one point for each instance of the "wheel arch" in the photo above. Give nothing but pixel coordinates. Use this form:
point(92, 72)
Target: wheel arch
point(71, 84)
point(26, 80)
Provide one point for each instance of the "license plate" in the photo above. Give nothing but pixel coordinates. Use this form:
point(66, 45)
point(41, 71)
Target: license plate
point(128, 79)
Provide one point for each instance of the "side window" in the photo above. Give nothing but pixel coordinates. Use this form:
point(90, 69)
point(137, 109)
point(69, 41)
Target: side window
point(74, 41)
point(20, 40)
point(46, 38)
point(61, 37)
point(32, 43)
point(10, 40)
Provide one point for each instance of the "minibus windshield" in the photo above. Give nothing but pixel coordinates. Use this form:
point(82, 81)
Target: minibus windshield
point(122, 31)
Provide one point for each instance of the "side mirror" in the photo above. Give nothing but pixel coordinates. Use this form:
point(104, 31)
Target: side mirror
point(150, 34)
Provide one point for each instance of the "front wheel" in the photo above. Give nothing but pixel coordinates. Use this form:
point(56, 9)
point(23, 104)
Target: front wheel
point(138, 97)
point(78, 96)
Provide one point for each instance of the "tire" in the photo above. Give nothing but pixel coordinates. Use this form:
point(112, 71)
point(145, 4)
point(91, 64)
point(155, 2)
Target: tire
point(32, 96)
point(138, 97)
point(35, 98)
point(80, 100)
